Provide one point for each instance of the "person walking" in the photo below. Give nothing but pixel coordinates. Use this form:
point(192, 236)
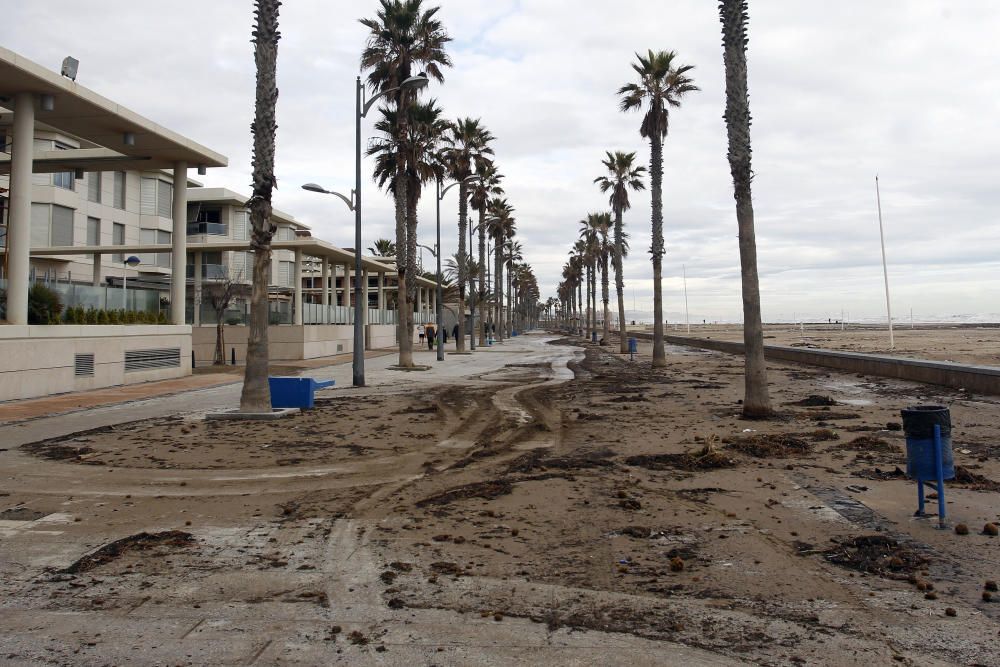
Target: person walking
point(454, 333)
point(421, 332)
point(431, 331)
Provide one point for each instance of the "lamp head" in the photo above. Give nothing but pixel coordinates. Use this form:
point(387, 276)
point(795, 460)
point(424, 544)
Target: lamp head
point(132, 260)
point(415, 82)
point(313, 187)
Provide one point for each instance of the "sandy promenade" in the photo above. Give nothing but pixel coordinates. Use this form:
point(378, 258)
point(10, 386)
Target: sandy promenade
point(544, 502)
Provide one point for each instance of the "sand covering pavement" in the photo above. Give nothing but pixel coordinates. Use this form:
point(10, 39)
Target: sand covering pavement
point(569, 507)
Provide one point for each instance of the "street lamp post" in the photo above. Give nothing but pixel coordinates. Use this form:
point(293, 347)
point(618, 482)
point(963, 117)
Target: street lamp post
point(362, 108)
point(132, 261)
point(440, 195)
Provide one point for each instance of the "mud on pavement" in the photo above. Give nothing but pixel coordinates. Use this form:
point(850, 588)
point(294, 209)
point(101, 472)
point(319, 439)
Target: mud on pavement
point(538, 504)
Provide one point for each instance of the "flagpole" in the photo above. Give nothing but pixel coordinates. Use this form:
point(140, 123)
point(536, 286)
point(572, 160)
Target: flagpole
point(885, 270)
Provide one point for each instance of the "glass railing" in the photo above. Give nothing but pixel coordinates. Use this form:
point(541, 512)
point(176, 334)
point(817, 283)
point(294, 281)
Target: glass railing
point(216, 228)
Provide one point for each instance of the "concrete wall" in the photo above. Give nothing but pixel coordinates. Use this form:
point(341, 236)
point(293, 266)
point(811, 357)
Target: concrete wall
point(977, 379)
point(38, 360)
point(289, 342)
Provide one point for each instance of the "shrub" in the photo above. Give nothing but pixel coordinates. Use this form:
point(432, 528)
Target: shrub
point(44, 305)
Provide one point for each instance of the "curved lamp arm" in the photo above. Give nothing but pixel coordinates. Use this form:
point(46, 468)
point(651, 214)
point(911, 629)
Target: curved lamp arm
point(468, 179)
point(313, 187)
point(414, 82)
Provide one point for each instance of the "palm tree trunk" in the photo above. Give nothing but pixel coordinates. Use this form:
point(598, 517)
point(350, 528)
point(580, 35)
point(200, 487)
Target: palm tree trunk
point(620, 282)
point(605, 297)
point(411, 261)
point(463, 215)
point(403, 303)
point(481, 296)
point(497, 291)
point(656, 179)
point(256, 394)
point(733, 14)
point(581, 325)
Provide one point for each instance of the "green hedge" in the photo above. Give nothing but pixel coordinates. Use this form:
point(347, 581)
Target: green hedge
point(80, 315)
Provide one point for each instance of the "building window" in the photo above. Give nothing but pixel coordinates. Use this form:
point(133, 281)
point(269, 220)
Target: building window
point(286, 274)
point(241, 223)
point(157, 236)
point(118, 238)
point(119, 194)
point(64, 179)
point(94, 187)
point(206, 220)
point(51, 225)
point(164, 199)
point(156, 197)
point(93, 232)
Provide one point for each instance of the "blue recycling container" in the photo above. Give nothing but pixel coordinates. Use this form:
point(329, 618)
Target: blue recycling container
point(294, 391)
point(918, 426)
point(633, 346)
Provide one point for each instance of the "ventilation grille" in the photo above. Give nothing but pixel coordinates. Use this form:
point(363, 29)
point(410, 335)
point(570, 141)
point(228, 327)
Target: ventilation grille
point(144, 360)
point(340, 347)
point(83, 365)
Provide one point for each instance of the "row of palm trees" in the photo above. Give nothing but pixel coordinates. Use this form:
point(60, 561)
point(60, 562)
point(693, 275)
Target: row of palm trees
point(417, 146)
point(662, 84)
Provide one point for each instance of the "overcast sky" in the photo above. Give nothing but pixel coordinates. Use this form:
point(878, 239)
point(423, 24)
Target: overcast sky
point(839, 91)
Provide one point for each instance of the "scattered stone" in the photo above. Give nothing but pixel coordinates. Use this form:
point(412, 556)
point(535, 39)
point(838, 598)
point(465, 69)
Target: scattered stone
point(990, 529)
point(961, 529)
point(990, 585)
point(950, 611)
point(676, 564)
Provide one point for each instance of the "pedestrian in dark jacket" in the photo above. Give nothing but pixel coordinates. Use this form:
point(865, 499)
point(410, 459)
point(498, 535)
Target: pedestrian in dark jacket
point(454, 333)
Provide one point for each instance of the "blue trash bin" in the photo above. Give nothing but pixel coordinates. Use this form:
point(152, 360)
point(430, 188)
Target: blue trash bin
point(633, 346)
point(918, 426)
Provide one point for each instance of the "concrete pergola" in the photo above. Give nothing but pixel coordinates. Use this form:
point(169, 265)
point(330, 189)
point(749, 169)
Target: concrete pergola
point(329, 255)
point(122, 139)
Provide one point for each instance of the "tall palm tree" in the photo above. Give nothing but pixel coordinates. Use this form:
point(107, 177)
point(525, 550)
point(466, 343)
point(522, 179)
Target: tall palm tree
point(423, 131)
point(622, 176)
point(256, 394)
point(605, 250)
point(501, 227)
point(512, 258)
point(466, 149)
point(383, 248)
point(662, 84)
point(487, 187)
point(734, 17)
point(403, 36)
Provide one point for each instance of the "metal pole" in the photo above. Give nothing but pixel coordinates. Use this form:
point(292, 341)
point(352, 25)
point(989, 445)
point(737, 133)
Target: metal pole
point(124, 286)
point(885, 271)
point(359, 334)
point(440, 296)
point(687, 318)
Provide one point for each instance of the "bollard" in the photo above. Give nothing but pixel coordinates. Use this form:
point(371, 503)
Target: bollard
point(192, 358)
point(234, 356)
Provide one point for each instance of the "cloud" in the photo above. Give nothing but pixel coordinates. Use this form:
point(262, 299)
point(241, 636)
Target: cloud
point(839, 92)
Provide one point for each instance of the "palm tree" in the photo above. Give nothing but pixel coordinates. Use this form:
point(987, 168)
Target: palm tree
point(256, 394)
point(403, 36)
point(466, 148)
point(483, 190)
point(622, 176)
point(512, 257)
point(662, 85)
point(423, 131)
point(501, 227)
point(383, 248)
point(733, 14)
point(605, 250)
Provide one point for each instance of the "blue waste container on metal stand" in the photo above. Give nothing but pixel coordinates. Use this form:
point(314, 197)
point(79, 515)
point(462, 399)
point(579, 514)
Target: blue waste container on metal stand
point(929, 457)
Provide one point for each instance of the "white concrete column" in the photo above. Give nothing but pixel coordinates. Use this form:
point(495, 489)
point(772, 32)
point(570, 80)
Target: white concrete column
point(19, 216)
point(297, 305)
point(196, 297)
point(178, 262)
point(381, 298)
point(325, 263)
point(347, 290)
point(364, 292)
point(97, 270)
